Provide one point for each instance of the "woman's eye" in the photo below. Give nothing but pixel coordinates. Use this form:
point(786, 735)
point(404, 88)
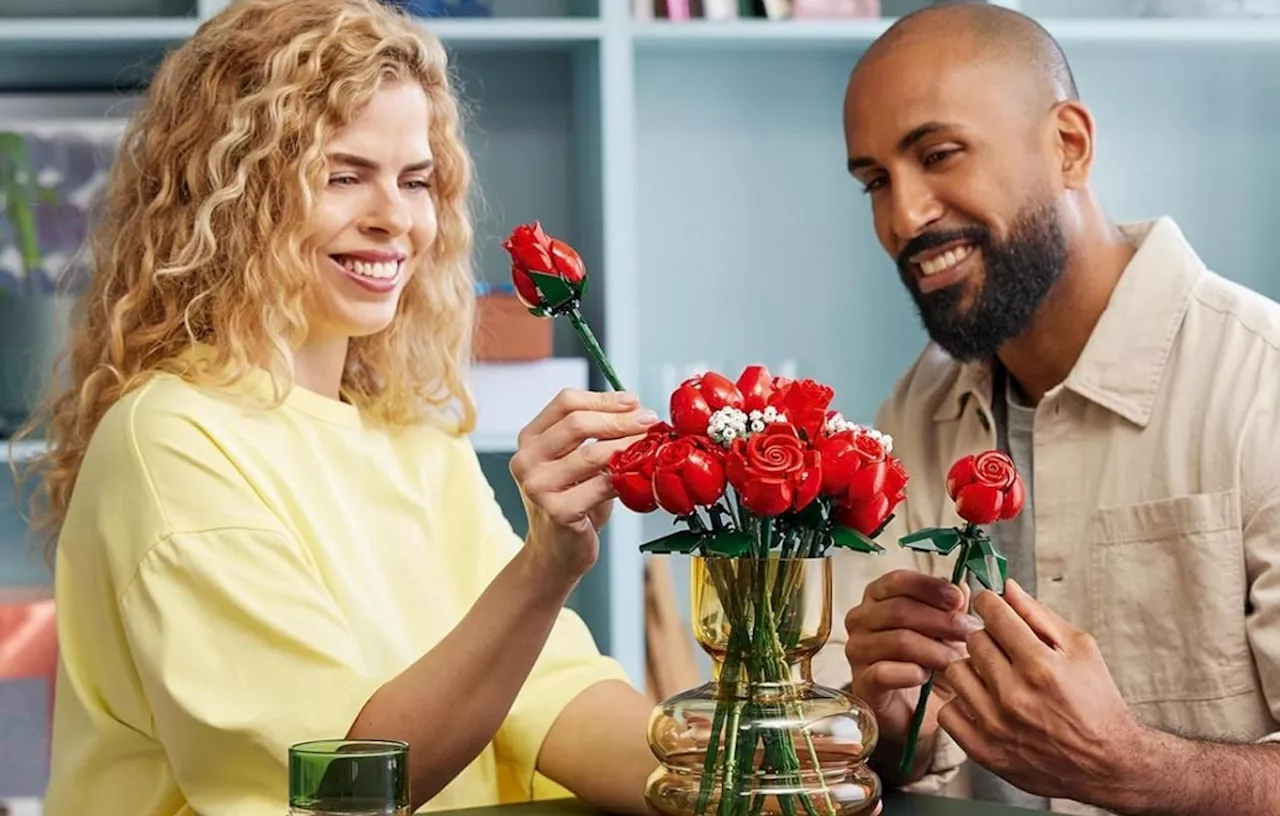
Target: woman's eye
point(343, 180)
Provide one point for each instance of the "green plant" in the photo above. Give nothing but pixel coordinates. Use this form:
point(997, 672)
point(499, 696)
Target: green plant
point(19, 193)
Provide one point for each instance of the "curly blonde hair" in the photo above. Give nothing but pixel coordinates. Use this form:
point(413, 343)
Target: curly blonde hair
point(204, 229)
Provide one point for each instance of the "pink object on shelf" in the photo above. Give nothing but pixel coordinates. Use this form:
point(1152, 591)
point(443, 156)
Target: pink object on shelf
point(814, 9)
point(678, 10)
point(28, 668)
point(28, 640)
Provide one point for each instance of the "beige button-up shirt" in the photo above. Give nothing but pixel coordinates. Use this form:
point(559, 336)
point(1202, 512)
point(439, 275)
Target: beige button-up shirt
point(1157, 496)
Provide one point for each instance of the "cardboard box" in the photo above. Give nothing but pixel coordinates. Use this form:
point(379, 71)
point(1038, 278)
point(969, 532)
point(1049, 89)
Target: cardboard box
point(506, 332)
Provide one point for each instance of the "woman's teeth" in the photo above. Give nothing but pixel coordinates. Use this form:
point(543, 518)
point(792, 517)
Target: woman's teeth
point(369, 269)
point(945, 261)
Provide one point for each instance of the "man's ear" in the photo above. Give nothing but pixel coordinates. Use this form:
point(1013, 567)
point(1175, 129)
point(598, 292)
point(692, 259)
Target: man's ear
point(1074, 128)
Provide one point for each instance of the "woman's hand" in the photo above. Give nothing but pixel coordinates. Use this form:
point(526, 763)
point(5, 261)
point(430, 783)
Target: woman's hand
point(560, 468)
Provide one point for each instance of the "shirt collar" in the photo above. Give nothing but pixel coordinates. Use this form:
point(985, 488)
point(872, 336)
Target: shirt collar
point(1122, 365)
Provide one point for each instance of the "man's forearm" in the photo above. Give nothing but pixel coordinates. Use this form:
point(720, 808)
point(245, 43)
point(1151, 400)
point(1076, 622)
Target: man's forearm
point(465, 686)
point(1173, 776)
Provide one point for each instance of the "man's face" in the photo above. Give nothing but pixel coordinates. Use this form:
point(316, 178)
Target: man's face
point(959, 172)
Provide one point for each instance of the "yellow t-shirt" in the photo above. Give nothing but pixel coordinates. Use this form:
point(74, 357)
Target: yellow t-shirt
point(232, 580)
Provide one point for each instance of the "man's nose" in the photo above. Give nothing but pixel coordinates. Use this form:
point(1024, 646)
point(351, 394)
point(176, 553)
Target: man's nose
point(914, 205)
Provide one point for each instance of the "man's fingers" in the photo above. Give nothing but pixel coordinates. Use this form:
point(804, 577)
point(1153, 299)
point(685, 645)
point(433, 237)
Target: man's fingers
point(1007, 628)
point(958, 720)
point(574, 399)
point(901, 646)
point(990, 662)
point(1048, 625)
point(902, 612)
point(927, 589)
point(968, 686)
point(888, 675)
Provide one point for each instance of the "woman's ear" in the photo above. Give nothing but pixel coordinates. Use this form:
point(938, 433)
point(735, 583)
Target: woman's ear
point(1074, 128)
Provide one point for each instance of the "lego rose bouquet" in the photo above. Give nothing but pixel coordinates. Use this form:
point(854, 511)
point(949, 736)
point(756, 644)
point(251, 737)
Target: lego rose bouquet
point(763, 478)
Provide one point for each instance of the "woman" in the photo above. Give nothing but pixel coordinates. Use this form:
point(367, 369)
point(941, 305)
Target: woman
point(270, 525)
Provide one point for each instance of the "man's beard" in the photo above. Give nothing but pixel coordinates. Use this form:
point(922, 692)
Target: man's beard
point(1019, 273)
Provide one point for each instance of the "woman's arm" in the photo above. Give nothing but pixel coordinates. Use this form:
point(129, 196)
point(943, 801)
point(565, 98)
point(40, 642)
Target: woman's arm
point(449, 704)
point(597, 748)
point(466, 685)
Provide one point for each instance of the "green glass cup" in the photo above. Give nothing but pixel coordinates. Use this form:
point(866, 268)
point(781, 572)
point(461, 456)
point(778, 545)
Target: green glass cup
point(349, 778)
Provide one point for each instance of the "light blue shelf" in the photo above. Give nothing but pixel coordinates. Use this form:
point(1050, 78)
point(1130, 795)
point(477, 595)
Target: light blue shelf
point(511, 32)
point(33, 33)
point(856, 34)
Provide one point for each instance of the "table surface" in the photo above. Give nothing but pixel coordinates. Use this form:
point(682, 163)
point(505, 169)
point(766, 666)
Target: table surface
point(896, 803)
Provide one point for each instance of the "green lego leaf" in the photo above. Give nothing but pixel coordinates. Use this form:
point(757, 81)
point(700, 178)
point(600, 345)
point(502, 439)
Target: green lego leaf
point(941, 540)
point(681, 541)
point(555, 290)
point(851, 539)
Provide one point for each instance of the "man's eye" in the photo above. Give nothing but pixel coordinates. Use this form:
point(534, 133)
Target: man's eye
point(935, 156)
point(874, 184)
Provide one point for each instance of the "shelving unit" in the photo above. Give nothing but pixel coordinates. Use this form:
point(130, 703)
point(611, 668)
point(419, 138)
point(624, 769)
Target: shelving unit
point(689, 160)
point(756, 33)
point(520, 33)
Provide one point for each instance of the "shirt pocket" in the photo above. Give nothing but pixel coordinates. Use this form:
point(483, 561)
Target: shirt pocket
point(1168, 596)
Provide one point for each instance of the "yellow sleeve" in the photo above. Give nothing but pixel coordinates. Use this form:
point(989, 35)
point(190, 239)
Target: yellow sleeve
point(570, 662)
point(240, 653)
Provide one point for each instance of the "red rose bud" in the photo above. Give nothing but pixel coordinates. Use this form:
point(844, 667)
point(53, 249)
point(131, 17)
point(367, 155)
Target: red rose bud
point(895, 481)
point(869, 479)
point(687, 475)
point(774, 472)
point(532, 251)
point(756, 386)
point(804, 403)
point(986, 488)
point(853, 464)
point(697, 398)
point(631, 470)
point(865, 516)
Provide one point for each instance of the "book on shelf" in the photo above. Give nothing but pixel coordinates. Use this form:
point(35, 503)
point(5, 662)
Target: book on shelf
point(446, 8)
point(680, 10)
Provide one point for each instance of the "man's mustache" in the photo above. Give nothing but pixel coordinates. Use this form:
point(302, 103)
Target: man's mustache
point(930, 240)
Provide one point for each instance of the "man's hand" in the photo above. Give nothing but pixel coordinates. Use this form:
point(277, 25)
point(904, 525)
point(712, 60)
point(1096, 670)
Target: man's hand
point(1035, 703)
point(907, 625)
point(561, 469)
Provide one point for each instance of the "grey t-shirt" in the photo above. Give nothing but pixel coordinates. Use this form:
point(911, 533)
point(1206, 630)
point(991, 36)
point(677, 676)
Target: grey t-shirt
point(1016, 541)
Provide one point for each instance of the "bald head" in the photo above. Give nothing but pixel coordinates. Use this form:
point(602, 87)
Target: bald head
point(985, 32)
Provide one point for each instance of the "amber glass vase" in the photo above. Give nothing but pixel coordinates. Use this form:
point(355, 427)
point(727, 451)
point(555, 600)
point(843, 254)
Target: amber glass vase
point(762, 739)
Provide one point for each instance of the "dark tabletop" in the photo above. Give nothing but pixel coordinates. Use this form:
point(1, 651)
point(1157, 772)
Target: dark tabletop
point(895, 804)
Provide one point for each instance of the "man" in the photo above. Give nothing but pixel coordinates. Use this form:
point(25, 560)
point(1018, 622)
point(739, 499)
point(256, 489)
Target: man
point(1139, 395)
